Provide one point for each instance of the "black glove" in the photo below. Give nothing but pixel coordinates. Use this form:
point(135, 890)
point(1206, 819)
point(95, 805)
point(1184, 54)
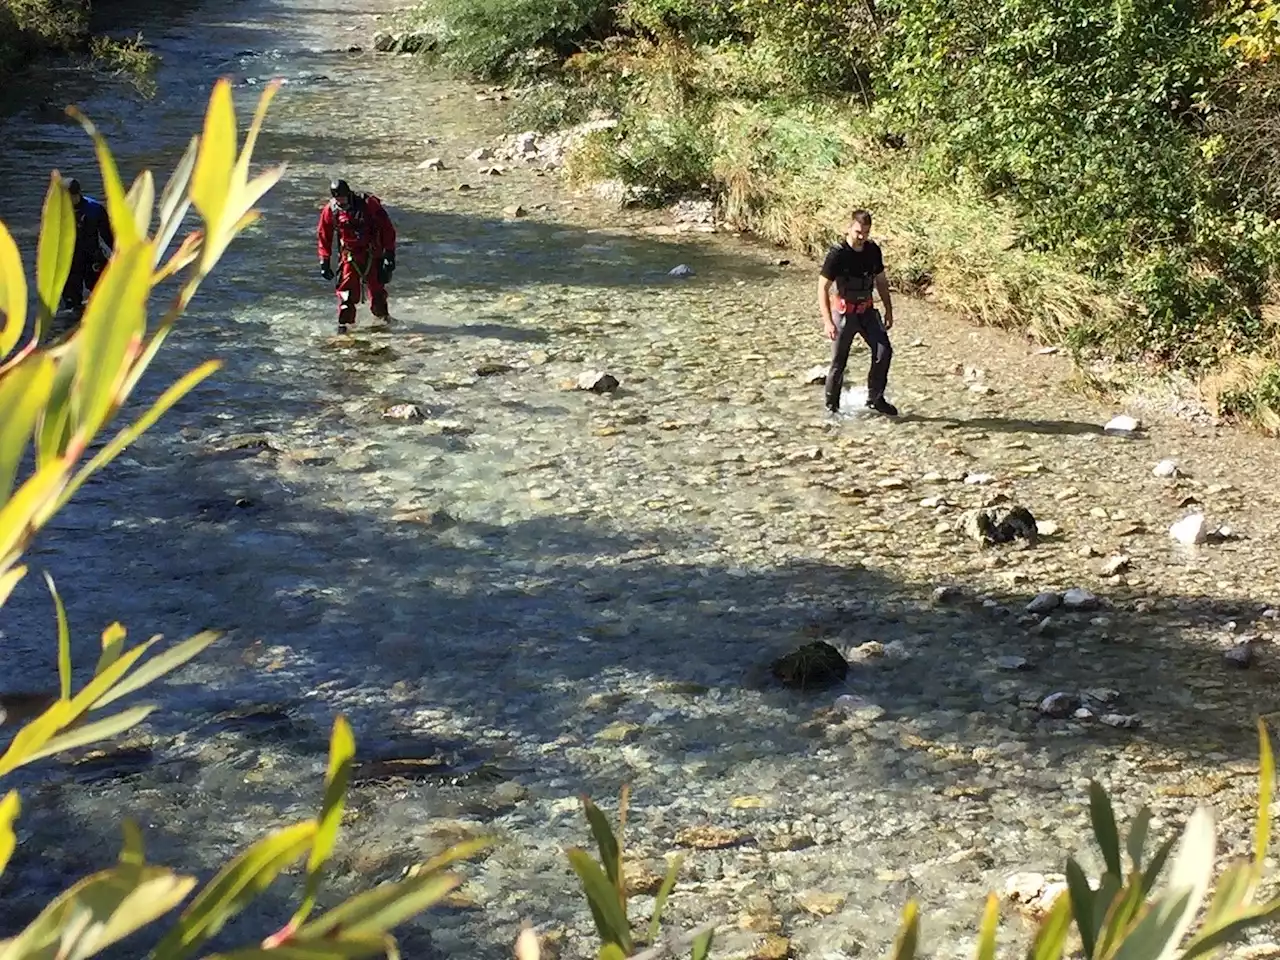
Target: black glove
point(326, 270)
point(386, 267)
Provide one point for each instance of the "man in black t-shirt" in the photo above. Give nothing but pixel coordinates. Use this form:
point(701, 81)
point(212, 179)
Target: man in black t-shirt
point(856, 267)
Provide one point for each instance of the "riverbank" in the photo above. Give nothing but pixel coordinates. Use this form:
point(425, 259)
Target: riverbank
point(1124, 254)
point(35, 31)
point(527, 592)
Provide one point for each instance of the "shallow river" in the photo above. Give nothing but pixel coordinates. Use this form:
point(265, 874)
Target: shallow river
point(538, 592)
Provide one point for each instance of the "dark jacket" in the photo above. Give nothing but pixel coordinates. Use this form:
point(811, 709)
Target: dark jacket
point(93, 230)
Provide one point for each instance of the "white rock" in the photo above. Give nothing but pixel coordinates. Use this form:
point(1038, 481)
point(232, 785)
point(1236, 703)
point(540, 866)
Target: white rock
point(1116, 564)
point(1121, 721)
point(1078, 598)
point(1123, 425)
point(597, 381)
point(1025, 887)
point(402, 411)
point(1044, 602)
point(979, 479)
point(435, 163)
point(682, 270)
point(1166, 469)
point(1189, 530)
point(484, 153)
point(1047, 528)
point(816, 375)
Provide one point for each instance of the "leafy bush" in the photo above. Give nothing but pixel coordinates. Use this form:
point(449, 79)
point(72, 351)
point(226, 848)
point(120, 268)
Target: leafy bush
point(489, 38)
point(697, 21)
point(814, 46)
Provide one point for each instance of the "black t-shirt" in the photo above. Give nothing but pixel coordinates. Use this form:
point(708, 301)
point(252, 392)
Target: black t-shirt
point(854, 271)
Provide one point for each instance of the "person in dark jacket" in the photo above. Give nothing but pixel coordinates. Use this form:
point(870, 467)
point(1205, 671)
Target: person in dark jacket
point(94, 241)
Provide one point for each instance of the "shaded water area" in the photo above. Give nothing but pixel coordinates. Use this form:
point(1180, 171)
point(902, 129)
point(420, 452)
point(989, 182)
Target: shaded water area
point(532, 592)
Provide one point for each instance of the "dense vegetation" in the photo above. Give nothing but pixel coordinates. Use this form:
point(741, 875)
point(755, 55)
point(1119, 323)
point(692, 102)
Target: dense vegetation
point(1103, 174)
point(35, 28)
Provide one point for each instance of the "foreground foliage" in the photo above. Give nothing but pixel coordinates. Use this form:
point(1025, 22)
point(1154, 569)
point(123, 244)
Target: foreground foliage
point(57, 398)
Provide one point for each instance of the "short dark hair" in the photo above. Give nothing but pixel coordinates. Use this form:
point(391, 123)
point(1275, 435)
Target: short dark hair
point(861, 216)
point(73, 185)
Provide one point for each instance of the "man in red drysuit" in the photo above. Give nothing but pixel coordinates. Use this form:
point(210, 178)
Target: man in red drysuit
point(366, 250)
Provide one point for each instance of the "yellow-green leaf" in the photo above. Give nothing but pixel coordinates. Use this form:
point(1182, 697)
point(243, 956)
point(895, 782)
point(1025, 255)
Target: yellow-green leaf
point(54, 429)
point(112, 644)
point(908, 939)
point(103, 729)
point(1082, 906)
point(607, 844)
point(211, 181)
point(611, 951)
point(607, 911)
point(111, 330)
point(34, 736)
point(702, 945)
point(10, 807)
point(99, 911)
point(55, 249)
point(1051, 937)
point(10, 579)
point(174, 201)
point(987, 932)
point(24, 390)
point(64, 640)
point(342, 747)
point(91, 694)
point(1208, 941)
point(157, 667)
point(1104, 828)
point(23, 514)
point(142, 200)
point(123, 227)
point(664, 892)
point(133, 850)
point(377, 911)
point(1266, 785)
point(1136, 843)
point(13, 293)
point(332, 949)
point(238, 883)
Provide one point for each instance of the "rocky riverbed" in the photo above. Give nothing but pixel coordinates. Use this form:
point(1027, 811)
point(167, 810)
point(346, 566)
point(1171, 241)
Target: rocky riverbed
point(547, 534)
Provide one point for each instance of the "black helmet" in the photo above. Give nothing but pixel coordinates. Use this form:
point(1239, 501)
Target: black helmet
point(339, 188)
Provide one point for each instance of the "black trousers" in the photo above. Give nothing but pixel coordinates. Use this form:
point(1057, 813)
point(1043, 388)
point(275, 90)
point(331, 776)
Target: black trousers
point(84, 274)
point(870, 327)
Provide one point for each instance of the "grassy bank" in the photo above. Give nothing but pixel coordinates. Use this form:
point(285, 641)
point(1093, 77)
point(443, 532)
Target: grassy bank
point(32, 29)
point(1091, 180)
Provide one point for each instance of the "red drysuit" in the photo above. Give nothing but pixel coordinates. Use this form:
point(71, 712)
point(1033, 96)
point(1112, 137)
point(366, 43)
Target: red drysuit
point(365, 234)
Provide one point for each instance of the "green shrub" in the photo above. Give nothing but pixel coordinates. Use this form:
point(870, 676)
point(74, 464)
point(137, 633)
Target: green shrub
point(695, 21)
point(822, 46)
point(491, 38)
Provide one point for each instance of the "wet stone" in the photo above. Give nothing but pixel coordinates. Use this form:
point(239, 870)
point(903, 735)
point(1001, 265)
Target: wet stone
point(813, 666)
point(996, 525)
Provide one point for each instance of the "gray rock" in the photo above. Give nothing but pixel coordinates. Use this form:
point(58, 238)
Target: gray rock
point(683, 270)
point(402, 411)
point(1239, 656)
point(1044, 602)
point(1121, 721)
point(1190, 530)
point(1012, 663)
point(1166, 469)
point(1059, 705)
point(1078, 598)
